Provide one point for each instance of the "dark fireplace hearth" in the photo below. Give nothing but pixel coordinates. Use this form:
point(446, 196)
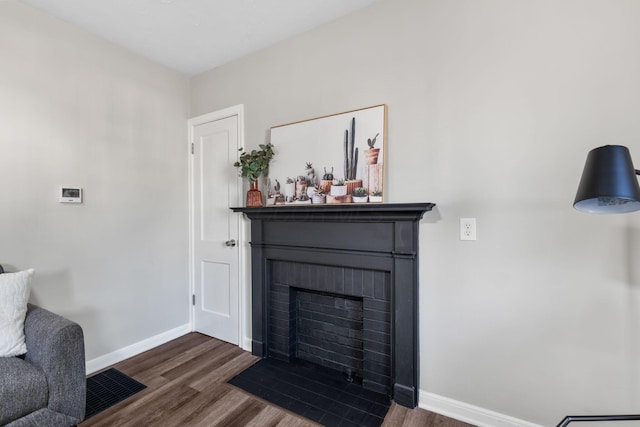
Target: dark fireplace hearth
point(337, 285)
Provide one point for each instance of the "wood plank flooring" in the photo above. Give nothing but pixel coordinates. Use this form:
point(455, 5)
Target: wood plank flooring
point(186, 383)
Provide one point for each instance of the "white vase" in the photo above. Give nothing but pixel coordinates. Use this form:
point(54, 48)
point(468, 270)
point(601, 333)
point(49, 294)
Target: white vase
point(375, 199)
point(360, 199)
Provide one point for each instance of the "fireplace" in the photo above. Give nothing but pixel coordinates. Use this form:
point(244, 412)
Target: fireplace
point(338, 286)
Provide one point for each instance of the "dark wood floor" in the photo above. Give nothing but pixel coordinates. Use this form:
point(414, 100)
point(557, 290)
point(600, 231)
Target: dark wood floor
point(186, 383)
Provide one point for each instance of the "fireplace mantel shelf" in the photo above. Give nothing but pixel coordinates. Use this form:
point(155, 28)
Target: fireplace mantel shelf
point(354, 210)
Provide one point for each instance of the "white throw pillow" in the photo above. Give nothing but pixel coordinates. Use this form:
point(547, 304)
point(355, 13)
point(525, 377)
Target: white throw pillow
point(14, 295)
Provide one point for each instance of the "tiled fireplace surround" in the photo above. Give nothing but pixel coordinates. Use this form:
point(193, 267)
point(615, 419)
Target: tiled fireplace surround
point(338, 317)
point(338, 285)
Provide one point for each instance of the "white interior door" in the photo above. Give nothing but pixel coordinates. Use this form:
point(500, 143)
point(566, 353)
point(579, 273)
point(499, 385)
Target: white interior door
point(215, 228)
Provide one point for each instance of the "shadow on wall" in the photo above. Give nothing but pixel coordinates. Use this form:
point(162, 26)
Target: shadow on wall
point(433, 217)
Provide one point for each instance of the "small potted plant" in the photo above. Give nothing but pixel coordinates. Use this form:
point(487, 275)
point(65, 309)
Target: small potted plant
point(310, 173)
point(252, 165)
point(319, 196)
point(301, 187)
point(338, 188)
point(376, 196)
point(327, 180)
point(289, 189)
point(371, 155)
point(273, 193)
point(359, 195)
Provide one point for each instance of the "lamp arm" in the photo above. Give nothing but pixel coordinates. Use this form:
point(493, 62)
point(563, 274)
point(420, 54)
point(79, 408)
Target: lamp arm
point(571, 418)
point(637, 171)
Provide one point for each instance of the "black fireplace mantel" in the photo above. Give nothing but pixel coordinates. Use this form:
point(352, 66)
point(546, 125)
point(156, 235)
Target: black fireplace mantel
point(381, 237)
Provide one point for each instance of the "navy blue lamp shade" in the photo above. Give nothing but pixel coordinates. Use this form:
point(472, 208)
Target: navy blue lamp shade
point(608, 184)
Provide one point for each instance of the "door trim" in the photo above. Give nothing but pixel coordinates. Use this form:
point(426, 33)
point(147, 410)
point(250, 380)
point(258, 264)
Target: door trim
point(244, 335)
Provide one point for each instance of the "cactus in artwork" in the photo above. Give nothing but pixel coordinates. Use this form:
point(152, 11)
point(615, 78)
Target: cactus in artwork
point(350, 152)
point(372, 142)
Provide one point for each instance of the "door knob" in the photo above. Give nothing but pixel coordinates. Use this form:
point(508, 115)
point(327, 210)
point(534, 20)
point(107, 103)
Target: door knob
point(231, 243)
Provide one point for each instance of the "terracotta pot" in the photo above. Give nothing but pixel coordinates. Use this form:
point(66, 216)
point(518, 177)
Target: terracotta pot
point(371, 156)
point(254, 196)
point(301, 189)
point(352, 184)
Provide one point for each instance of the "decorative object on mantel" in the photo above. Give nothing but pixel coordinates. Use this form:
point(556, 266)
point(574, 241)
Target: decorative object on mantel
point(274, 197)
point(327, 180)
point(289, 190)
point(372, 173)
point(301, 188)
point(372, 153)
point(339, 192)
point(350, 152)
point(337, 142)
point(359, 195)
point(376, 196)
point(319, 196)
point(252, 165)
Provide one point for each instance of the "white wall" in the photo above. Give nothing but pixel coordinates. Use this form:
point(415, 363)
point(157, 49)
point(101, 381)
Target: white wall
point(76, 110)
point(493, 106)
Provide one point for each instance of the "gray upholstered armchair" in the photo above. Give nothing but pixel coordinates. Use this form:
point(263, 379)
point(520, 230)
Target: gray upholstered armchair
point(46, 387)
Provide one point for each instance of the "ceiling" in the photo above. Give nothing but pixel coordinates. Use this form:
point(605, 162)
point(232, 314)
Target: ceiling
point(192, 36)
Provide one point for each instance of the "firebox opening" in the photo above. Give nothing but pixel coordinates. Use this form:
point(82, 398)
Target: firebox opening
point(328, 331)
point(337, 317)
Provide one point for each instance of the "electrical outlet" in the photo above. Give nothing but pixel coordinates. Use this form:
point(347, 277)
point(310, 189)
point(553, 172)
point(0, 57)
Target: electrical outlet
point(467, 229)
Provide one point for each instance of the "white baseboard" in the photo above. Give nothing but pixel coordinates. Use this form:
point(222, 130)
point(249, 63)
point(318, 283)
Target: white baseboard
point(246, 344)
point(468, 413)
point(114, 357)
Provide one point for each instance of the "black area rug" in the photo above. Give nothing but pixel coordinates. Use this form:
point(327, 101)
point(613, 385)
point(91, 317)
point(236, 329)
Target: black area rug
point(315, 392)
point(107, 388)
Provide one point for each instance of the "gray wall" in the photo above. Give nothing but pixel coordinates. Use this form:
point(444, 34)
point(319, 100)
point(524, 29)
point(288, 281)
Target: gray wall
point(493, 106)
point(76, 110)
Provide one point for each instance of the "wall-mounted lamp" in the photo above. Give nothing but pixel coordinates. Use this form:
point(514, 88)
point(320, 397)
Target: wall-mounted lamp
point(608, 186)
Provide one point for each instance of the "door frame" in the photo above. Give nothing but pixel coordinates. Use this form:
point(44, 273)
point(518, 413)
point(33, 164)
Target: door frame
point(244, 336)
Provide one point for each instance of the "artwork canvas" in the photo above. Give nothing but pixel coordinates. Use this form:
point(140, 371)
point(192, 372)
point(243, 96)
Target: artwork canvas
point(332, 159)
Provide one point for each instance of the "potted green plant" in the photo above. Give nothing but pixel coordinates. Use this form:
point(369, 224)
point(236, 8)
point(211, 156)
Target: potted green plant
point(301, 187)
point(338, 188)
point(359, 195)
point(289, 189)
point(371, 155)
point(273, 193)
point(376, 196)
point(319, 196)
point(252, 165)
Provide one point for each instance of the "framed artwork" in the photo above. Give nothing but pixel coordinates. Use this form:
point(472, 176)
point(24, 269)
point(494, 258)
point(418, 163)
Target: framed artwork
point(332, 159)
